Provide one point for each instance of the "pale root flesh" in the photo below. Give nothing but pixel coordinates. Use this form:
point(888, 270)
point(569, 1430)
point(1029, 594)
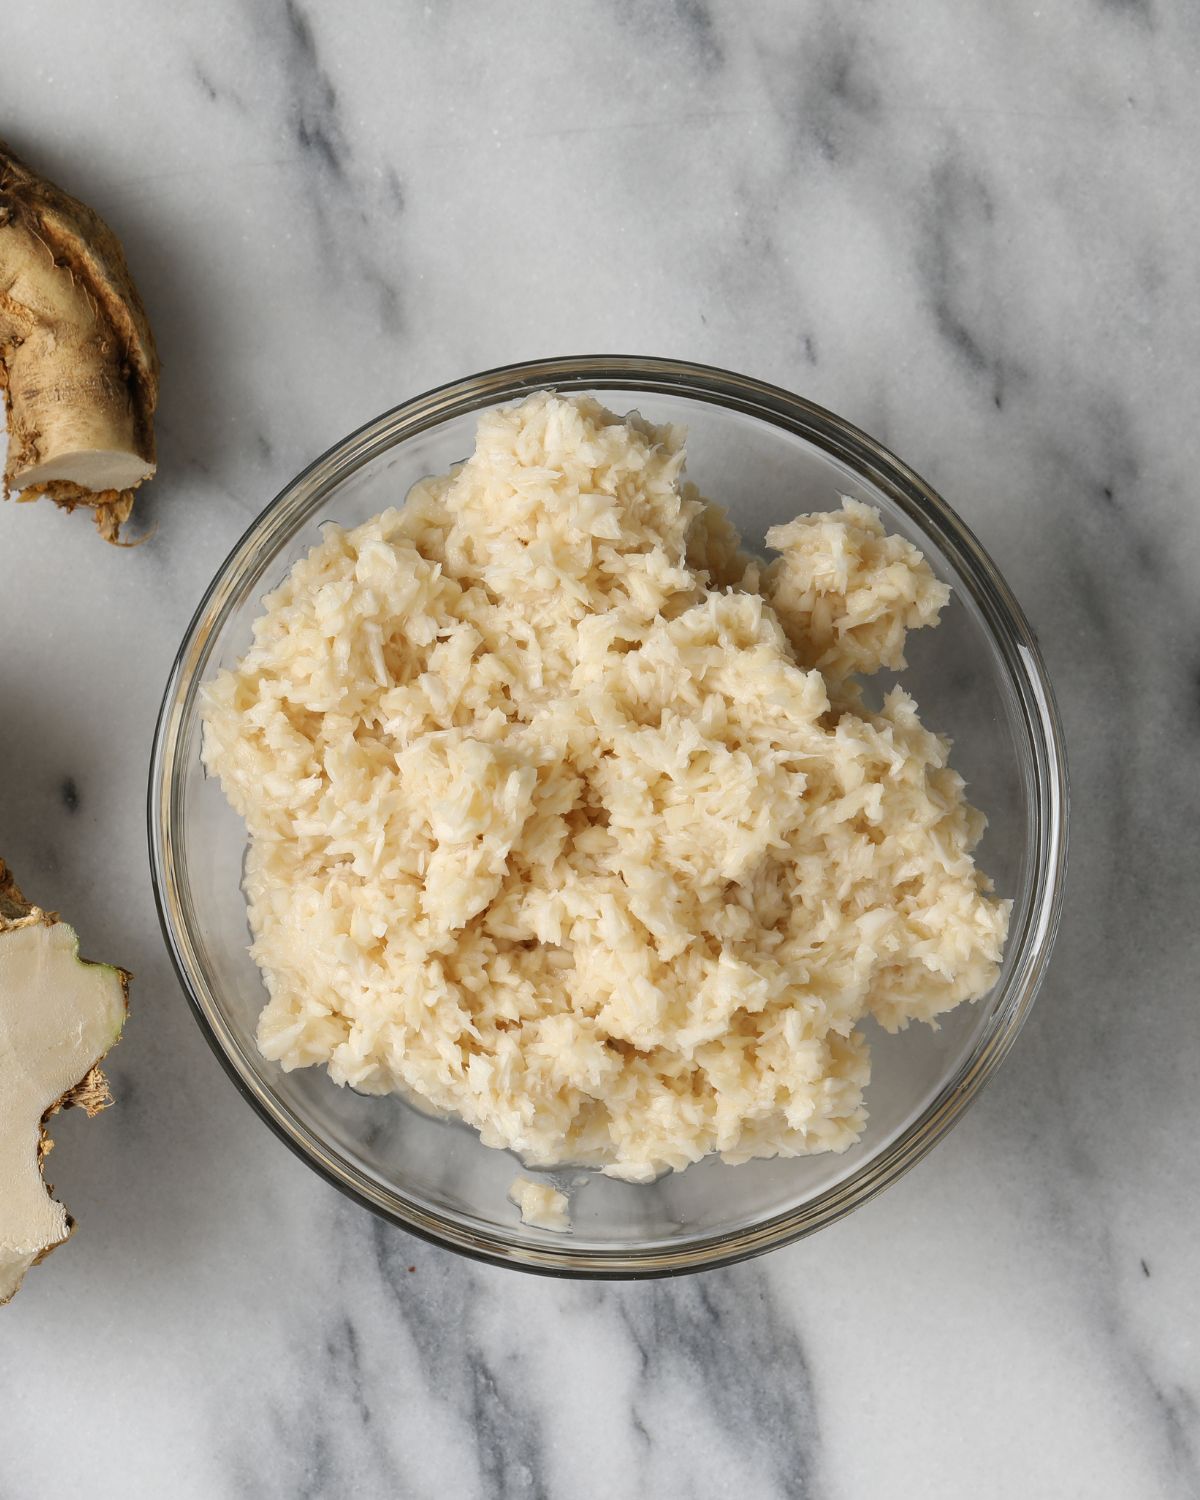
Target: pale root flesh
point(59, 1015)
point(541, 1206)
point(93, 469)
point(78, 367)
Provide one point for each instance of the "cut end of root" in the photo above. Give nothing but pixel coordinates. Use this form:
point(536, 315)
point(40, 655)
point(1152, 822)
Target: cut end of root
point(92, 472)
point(59, 1015)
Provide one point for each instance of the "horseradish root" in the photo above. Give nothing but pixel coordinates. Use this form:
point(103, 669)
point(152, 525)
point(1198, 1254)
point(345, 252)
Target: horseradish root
point(78, 367)
point(59, 1015)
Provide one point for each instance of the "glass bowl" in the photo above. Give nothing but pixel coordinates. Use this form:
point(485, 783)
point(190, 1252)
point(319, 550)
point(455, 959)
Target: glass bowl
point(767, 455)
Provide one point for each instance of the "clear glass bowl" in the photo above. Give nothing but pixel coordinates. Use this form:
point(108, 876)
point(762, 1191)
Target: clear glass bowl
point(766, 455)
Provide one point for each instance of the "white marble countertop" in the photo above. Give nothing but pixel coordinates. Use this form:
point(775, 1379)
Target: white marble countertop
point(972, 229)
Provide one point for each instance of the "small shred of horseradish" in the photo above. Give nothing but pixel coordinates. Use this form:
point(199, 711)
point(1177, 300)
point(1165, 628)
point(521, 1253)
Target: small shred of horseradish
point(542, 1207)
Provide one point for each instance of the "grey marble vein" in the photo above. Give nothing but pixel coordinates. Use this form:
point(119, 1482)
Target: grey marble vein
point(723, 1336)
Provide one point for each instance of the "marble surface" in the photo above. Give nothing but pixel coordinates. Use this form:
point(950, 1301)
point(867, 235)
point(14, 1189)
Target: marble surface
point(969, 227)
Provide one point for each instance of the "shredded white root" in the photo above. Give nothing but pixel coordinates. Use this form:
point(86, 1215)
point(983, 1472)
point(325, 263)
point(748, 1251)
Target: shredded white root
point(541, 1206)
point(554, 828)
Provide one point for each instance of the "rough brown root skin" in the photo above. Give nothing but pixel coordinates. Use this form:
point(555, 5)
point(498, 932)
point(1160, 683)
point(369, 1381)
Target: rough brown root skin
point(92, 1093)
point(110, 508)
point(89, 1092)
point(13, 906)
point(78, 366)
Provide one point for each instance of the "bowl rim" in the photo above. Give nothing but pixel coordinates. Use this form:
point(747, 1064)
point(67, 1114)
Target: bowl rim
point(1010, 633)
